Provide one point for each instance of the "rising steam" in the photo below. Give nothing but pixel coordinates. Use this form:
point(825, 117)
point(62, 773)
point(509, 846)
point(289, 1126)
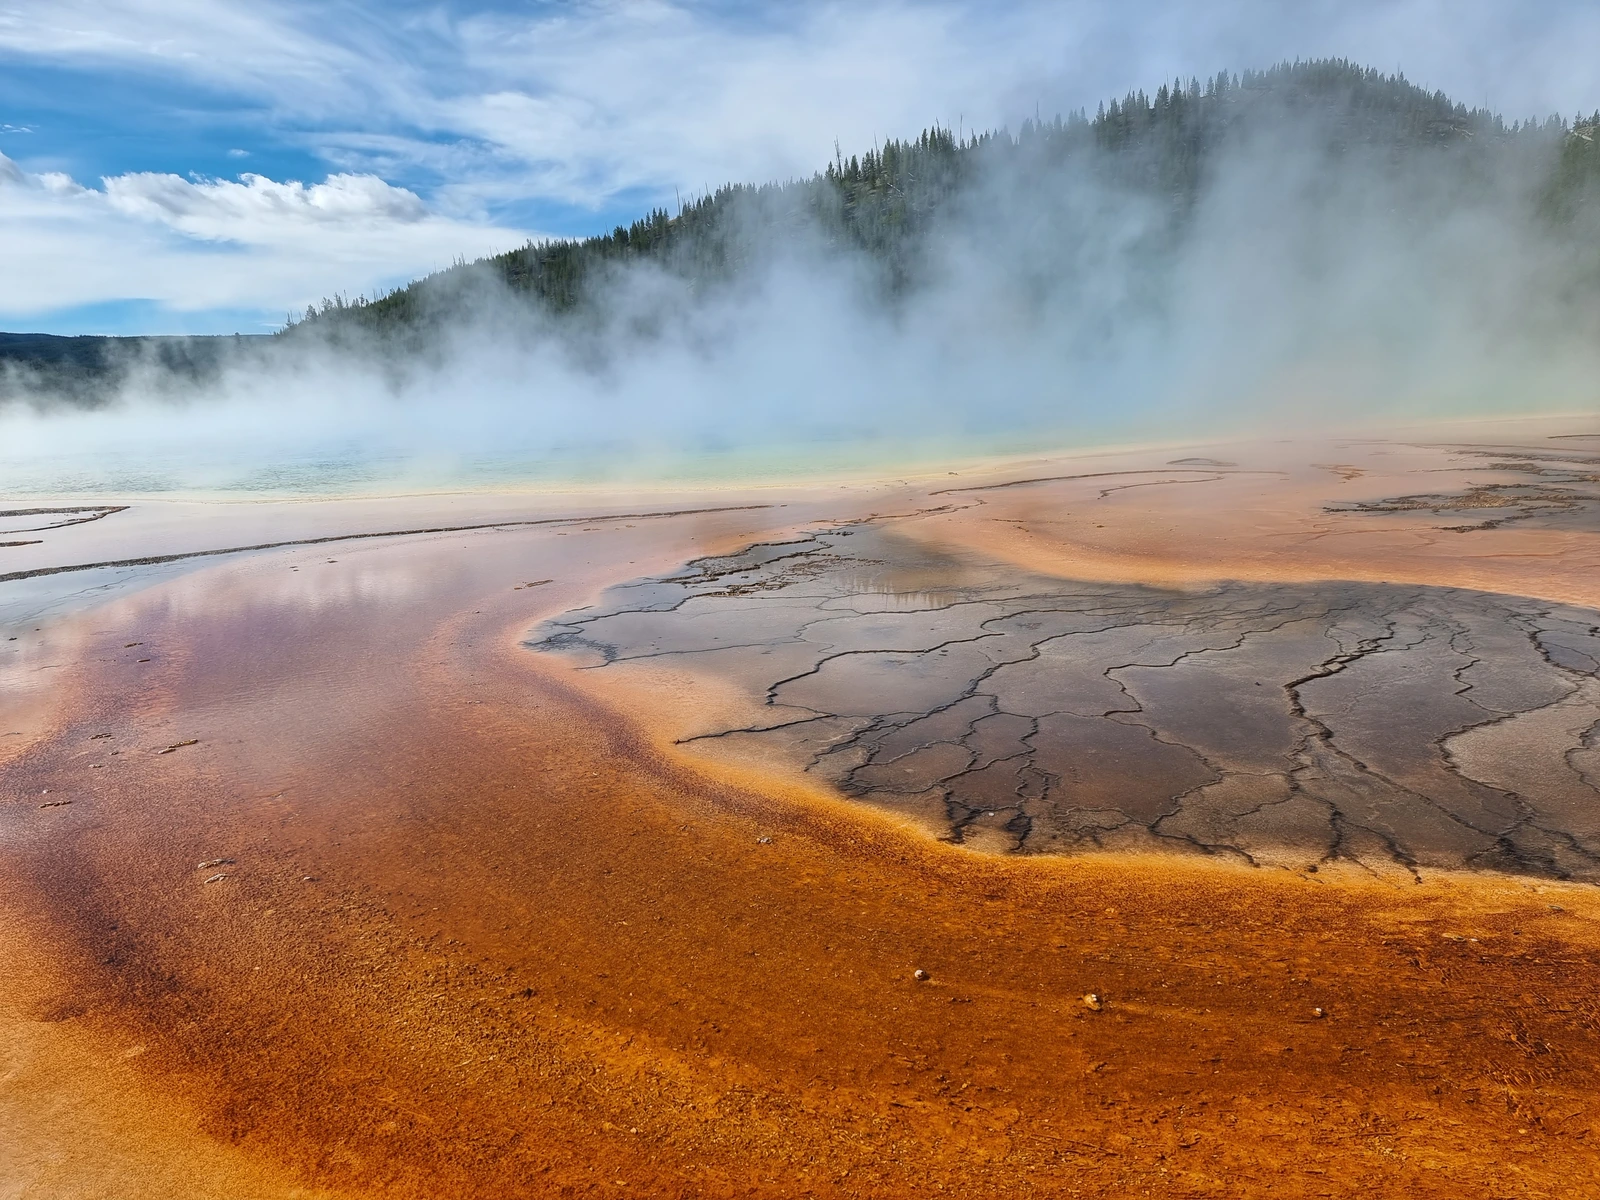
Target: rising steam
point(1312, 279)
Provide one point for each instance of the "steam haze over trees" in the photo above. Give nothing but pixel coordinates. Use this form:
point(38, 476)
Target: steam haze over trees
point(1270, 245)
point(1155, 148)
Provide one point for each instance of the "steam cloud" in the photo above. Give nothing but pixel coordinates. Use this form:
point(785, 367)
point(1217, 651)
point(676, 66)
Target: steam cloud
point(1310, 284)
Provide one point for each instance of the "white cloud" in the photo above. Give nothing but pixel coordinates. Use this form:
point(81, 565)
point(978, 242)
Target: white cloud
point(599, 97)
point(263, 47)
point(584, 99)
point(259, 211)
point(254, 243)
point(693, 84)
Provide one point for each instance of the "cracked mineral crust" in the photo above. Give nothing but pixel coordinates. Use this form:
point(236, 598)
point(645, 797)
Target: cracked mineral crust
point(1397, 725)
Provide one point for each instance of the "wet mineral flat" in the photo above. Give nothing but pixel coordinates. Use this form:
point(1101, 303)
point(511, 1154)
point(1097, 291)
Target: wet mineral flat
point(1394, 726)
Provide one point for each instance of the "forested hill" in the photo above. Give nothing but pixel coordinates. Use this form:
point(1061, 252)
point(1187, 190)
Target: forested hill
point(1159, 147)
point(1039, 204)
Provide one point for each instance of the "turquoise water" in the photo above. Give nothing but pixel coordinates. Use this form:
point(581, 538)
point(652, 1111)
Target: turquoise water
point(351, 471)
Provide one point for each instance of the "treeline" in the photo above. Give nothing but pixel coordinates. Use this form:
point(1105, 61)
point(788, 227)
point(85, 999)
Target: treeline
point(886, 202)
point(86, 370)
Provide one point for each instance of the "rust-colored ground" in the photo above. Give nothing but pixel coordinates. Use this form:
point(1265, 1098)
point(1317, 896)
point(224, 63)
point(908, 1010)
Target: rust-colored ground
point(479, 935)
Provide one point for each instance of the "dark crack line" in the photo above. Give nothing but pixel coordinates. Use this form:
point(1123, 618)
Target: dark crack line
point(98, 512)
point(722, 733)
point(996, 487)
point(158, 559)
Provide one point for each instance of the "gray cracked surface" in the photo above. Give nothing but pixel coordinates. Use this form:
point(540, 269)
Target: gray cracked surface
point(1539, 489)
point(1399, 725)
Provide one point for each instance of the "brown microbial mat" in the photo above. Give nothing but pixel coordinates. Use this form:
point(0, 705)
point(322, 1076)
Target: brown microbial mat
point(945, 836)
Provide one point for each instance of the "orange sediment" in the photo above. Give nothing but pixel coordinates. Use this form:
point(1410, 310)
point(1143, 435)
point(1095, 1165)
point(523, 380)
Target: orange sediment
point(416, 914)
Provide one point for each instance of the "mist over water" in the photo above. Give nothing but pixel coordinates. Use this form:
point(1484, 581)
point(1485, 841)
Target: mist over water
point(1311, 283)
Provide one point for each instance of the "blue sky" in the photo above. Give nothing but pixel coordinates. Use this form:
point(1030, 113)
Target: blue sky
point(209, 165)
